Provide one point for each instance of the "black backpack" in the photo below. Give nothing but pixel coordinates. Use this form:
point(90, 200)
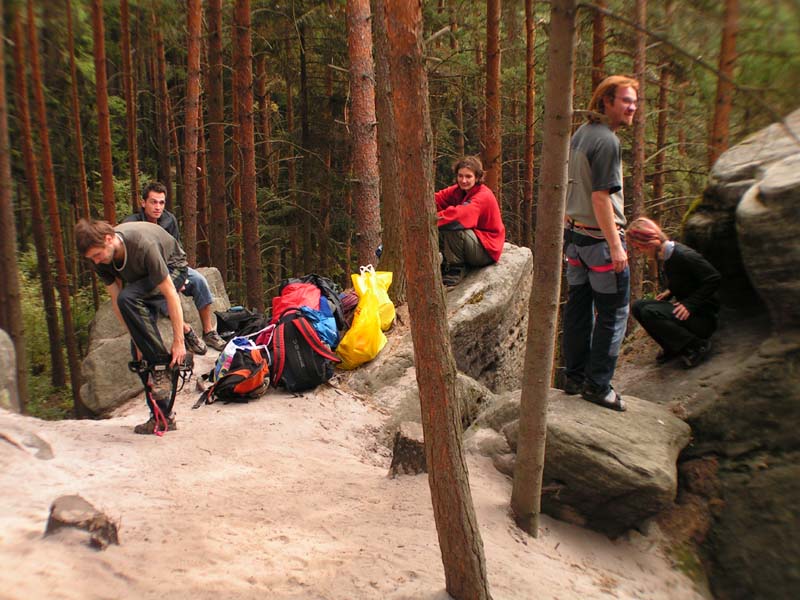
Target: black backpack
point(300, 359)
point(247, 378)
point(328, 289)
point(239, 321)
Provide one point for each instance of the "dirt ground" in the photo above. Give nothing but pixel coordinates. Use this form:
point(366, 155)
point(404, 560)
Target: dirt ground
point(285, 497)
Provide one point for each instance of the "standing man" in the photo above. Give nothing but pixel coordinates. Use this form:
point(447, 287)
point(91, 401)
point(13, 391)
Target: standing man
point(153, 210)
point(138, 262)
point(597, 262)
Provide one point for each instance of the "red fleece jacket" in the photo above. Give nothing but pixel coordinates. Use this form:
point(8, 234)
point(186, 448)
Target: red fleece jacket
point(477, 209)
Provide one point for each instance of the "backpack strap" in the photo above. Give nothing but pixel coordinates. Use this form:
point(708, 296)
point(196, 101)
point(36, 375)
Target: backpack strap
point(311, 336)
point(278, 353)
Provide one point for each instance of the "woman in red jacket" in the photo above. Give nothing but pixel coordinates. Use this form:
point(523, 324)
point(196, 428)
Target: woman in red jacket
point(471, 230)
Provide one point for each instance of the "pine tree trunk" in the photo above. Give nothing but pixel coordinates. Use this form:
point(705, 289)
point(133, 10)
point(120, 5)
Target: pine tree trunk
point(58, 373)
point(76, 119)
point(243, 65)
point(194, 17)
point(366, 180)
point(162, 108)
point(236, 188)
point(724, 98)
point(492, 144)
point(305, 143)
point(635, 261)
point(291, 165)
point(203, 248)
point(661, 140)
point(599, 45)
point(530, 121)
point(62, 281)
point(218, 232)
point(459, 537)
point(392, 257)
point(103, 118)
point(543, 311)
point(325, 196)
point(10, 297)
point(130, 103)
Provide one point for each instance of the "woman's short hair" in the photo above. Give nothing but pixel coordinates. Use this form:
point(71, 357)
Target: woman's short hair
point(473, 163)
point(608, 89)
point(90, 234)
point(645, 232)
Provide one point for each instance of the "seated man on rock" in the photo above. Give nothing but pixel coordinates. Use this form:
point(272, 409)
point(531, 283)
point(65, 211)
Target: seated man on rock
point(471, 230)
point(142, 265)
point(153, 211)
point(682, 317)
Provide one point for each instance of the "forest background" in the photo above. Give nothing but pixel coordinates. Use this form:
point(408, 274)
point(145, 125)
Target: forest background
point(246, 111)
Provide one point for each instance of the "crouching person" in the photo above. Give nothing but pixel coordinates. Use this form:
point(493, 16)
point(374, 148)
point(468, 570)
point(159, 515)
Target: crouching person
point(140, 263)
point(471, 230)
point(682, 317)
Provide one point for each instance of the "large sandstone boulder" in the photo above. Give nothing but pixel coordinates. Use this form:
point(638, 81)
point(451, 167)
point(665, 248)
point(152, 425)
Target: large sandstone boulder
point(487, 315)
point(9, 395)
point(767, 229)
point(603, 469)
point(107, 380)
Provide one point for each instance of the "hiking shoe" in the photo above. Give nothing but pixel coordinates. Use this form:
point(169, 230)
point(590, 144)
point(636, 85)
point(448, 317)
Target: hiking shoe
point(213, 339)
point(696, 353)
point(664, 356)
point(161, 386)
point(607, 398)
point(194, 343)
point(149, 426)
point(453, 275)
point(572, 387)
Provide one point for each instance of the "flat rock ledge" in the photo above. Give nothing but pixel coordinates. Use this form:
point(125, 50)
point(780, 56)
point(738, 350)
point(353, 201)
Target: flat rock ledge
point(606, 470)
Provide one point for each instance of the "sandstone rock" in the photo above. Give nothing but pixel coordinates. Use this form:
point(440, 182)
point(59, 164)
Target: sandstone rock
point(608, 470)
point(408, 454)
point(768, 223)
point(107, 380)
point(9, 397)
point(73, 511)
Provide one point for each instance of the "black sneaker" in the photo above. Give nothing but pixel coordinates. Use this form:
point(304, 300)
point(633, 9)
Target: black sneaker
point(664, 356)
point(213, 339)
point(194, 343)
point(696, 353)
point(149, 426)
point(607, 398)
point(454, 275)
point(572, 387)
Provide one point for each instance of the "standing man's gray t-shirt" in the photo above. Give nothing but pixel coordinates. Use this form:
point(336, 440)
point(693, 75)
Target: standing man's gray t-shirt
point(150, 252)
point(595, 164)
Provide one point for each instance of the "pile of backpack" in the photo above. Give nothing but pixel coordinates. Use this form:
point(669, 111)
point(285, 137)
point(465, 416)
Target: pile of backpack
point(294, 349)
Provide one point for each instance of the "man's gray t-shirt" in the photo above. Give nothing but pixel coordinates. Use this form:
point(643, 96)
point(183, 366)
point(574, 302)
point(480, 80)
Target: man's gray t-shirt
point(150, 253)
point(594, 165)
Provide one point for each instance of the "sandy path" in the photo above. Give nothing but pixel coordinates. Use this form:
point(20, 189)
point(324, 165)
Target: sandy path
point(285, 497)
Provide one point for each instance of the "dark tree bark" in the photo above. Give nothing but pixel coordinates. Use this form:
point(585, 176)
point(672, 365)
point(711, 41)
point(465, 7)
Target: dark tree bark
point(661, 140)
point(392, 257)
point(203, 249)
point(459, 538)
point(291, 166)
point(218, 232)
point(639, 131)
point(58, 373)
point(76, 119)
point(530, 120)
point(492, 141)
point(307, 223)
point(599, 45)
point(543, 312)
point(325, 197)
point(62, 281)
point(724, 98)
point(194, 16)
point(366, 180)
point(243, 65)
point(103, 119)
point(10, 297)
point(162, 112)
point(130, 103)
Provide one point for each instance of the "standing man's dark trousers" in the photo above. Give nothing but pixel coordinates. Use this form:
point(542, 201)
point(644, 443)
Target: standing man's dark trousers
point(139, 304)
point(672, 334)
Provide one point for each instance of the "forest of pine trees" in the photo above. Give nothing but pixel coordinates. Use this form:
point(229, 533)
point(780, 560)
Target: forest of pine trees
point(264, 120)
